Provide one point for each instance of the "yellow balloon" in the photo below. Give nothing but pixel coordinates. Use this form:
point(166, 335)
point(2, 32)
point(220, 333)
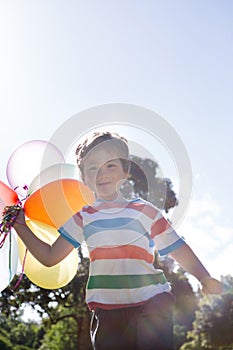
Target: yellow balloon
point(53, 277)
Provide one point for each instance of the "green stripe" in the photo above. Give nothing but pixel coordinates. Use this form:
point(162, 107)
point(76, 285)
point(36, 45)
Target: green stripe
point(124, 281)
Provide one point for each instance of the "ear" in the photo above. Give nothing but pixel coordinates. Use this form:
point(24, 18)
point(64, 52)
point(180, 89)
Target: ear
point(128, 169)
point(126, 174)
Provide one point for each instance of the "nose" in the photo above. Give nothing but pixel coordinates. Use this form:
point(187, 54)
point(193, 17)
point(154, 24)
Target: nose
point(102, 172)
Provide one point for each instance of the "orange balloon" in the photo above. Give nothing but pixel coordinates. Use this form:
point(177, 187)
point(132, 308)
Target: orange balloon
point(57, 201)
point(7, 197)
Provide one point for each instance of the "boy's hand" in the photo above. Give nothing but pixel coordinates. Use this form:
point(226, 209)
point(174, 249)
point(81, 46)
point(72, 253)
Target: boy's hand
point(10, 213)
point(211, 286)
point(20, 219)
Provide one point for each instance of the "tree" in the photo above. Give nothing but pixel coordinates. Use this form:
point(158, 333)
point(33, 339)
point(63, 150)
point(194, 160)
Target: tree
point(66, 304)
point(186, 301)
point(60, 336)
point(18, 335)
point(212, 328)
point(144, 182)
point(5, 343)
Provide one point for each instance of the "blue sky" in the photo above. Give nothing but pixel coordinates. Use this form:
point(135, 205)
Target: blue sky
point(173, 57)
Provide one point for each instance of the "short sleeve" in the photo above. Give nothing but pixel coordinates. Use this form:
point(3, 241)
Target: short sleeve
point(165, 238)
point(72, 230)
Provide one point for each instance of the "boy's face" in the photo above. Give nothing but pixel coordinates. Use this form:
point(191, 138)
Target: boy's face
point(103, 172)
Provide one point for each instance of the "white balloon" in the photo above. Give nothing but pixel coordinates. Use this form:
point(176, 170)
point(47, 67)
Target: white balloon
point(9, 258)
point(28, 160)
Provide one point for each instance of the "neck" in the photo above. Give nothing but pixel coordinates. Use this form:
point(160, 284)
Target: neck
point(115, 198)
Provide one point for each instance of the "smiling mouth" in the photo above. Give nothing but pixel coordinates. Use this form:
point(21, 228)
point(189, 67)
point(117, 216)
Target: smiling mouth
point(104, 183)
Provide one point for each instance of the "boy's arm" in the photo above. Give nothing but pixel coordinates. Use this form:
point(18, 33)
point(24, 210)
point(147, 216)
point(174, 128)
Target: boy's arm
point(46, 254)
point(190, 263)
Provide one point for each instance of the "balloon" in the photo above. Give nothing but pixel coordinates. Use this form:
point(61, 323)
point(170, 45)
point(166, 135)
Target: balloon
point(9, 258)
point(7, 197)
point(53, 173)
point(53, 277)
point(28, 160)
point(57, 201)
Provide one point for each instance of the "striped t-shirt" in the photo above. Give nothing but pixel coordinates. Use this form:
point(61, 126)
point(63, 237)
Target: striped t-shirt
point(121, 237)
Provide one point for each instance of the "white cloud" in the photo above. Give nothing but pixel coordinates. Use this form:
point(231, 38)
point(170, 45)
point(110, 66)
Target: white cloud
point(205, 205)
point(209, 236)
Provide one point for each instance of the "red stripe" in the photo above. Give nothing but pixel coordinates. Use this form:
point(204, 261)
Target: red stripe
point(146, 209)
point(78, 220)
point(95, 305)
point(159, 227)
point(89, 210)
point(121, 252)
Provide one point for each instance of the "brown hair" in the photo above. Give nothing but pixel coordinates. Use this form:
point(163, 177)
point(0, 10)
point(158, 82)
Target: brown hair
point(118, 143)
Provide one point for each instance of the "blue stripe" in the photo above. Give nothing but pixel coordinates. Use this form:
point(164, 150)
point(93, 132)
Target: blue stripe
point(68, 238)
point(113, 224)
point(171, 247)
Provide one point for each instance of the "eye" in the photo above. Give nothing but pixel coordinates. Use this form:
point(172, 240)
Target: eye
point(92, 169)
point(111, 165)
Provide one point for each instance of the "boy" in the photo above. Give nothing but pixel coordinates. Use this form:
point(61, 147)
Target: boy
point(130, 299)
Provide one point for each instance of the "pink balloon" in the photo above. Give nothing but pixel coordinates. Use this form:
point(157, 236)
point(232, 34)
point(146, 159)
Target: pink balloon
point(7, 197)
point(28, 160)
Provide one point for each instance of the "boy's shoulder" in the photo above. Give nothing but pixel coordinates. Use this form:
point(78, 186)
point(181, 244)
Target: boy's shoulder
point(142, 201)
point(138, 204)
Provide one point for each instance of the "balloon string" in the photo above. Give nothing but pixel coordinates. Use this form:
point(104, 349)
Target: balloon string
point(25, 187)
point(3, 240)
point(22, 272)
point(10, 251)
point(9, 217)
point(20, 201)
